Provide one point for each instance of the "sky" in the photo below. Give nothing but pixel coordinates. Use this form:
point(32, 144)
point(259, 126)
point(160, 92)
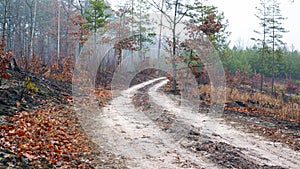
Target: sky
point(242, 20)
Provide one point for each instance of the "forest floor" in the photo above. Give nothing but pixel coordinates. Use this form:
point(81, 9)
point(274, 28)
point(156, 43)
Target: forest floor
point(41, 130)
point(144, 127)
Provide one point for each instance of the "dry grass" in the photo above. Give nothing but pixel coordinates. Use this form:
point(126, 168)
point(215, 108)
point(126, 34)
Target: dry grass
point(263, 102)
point(270, 104)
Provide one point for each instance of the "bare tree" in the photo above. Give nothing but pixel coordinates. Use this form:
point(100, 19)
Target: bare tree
point(160, 30)
point(58, 31)
point(5, 7)
point(174, 12)
point(32, 9)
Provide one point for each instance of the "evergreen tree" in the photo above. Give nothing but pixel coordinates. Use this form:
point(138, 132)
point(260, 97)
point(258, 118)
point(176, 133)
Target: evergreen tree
point(200, 13)
point(96, 16)
point(263, 13)
point(142, 25)
point(275, 26)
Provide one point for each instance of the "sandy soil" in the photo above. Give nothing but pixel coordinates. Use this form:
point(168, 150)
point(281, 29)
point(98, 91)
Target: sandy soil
point(254, 147)
point(137, 137)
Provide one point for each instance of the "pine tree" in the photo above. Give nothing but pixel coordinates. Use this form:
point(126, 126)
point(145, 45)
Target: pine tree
point(275, 26)
point(142, 25)
point(201, 12)
point(96, 16)
point(263, 14)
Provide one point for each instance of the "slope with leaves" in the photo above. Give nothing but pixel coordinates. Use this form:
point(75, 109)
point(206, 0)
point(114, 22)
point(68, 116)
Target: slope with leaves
point(48, 134)
point(40, 129)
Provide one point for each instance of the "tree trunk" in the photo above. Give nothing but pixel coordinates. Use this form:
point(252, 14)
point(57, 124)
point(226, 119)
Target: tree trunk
point(33, 30)
point(263, 54)
point(262, 68)
point(4, 20)
point(273, 51)
point(174, 87)
point(119, 55)
point(273, 62)
point(29, 36)
point(160, 31)
point(58, 32)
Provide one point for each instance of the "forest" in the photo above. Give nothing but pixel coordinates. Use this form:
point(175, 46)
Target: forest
point(145, 84)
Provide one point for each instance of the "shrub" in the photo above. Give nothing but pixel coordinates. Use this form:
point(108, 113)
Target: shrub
point(30, 86)
point(4, 62)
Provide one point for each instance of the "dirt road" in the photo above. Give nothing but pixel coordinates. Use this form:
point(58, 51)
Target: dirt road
point(190, 140)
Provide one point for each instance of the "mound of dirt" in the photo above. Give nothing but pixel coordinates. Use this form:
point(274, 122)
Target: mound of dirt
point(15, 96)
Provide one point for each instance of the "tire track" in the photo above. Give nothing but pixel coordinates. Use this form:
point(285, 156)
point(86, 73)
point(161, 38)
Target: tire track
point(123, 130)
point(252, 147)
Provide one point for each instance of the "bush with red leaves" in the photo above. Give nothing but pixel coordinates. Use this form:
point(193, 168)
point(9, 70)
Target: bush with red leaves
point(4, 61)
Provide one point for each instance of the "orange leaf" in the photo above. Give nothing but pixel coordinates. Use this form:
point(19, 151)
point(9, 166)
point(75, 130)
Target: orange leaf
point(49, 146)
point(5, 75)
point(53, 161)
point(57, 151)
point(66, 158)
point(21, 133)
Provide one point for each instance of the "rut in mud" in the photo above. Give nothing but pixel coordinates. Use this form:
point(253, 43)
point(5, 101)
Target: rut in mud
point(150, 130)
